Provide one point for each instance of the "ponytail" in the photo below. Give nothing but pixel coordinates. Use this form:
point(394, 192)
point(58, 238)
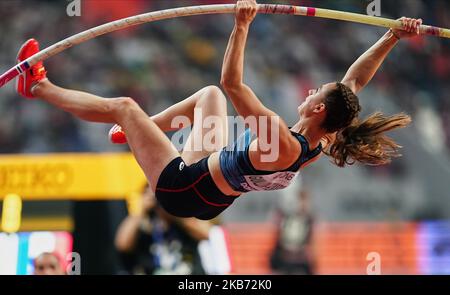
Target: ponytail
point(365, 141)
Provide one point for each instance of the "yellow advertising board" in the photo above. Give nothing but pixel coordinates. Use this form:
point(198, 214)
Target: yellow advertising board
point(11, 213)
point(70, 176)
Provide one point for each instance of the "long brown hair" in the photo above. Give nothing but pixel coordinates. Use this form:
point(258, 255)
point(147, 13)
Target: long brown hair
point(359, 141)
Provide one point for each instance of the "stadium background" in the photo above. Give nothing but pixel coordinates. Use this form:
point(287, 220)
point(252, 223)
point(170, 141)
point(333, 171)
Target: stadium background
point(399, 211)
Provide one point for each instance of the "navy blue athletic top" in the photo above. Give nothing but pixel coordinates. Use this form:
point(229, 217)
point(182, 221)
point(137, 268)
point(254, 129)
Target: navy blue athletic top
point(243, 177)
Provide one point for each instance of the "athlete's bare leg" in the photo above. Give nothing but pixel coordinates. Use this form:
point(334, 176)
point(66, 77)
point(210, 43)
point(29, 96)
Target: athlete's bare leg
point(150, 146)
point(206, 110)
point(186, 108)
point(210, 128)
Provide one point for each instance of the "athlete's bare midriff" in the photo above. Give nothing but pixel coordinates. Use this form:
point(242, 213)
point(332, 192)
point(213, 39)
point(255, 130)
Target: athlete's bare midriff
point(224, 186)
point(217, 176)
point(219, 179)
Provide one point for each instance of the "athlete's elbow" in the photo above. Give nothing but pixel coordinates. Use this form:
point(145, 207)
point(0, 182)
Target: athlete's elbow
point(230, 85)
point(225, 83)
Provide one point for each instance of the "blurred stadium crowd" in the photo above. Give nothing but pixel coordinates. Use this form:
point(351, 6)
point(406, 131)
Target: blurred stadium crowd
point(159, 64)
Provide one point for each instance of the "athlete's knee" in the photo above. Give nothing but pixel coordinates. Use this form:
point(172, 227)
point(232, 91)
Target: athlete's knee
point(123, 106)
point(214, 94)
point(213, 89)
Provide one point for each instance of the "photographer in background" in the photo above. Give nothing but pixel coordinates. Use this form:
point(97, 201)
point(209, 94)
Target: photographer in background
point(154, 242)
point(293, 251)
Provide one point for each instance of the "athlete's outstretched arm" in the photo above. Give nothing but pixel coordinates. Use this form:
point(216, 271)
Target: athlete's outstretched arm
point(365, 67)
point(243, 98)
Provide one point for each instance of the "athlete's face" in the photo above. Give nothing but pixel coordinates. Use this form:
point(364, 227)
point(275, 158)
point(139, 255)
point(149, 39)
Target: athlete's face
point(313, 104)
